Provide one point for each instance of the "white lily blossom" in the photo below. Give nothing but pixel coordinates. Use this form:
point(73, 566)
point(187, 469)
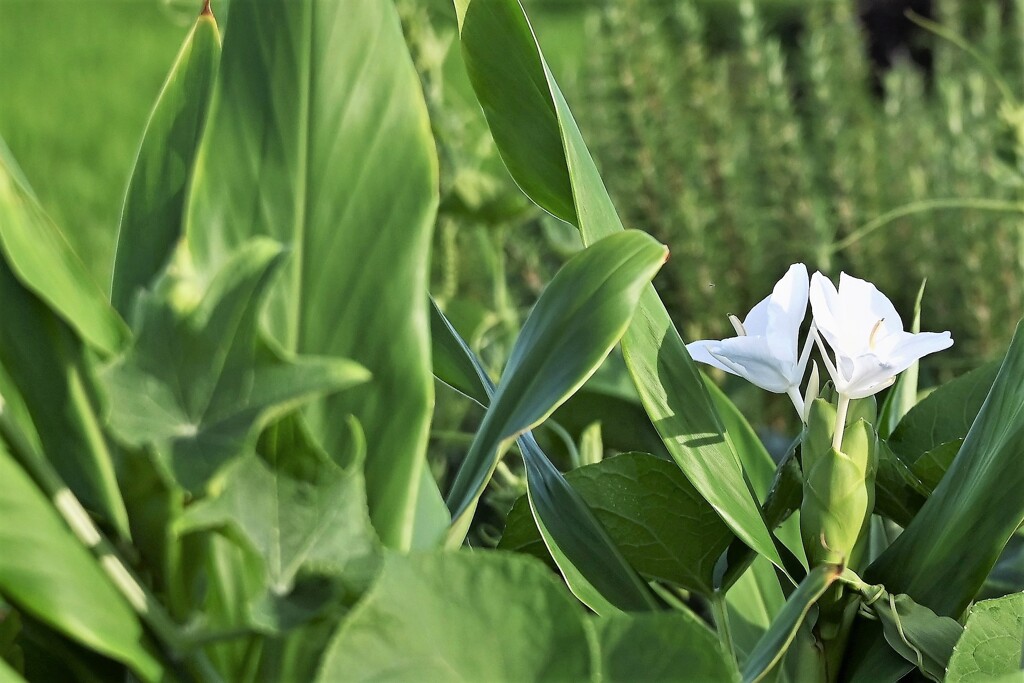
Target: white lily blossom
point(765, 350)
point(867, 337)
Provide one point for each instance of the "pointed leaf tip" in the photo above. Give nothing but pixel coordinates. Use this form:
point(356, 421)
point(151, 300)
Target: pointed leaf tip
point(206, 11)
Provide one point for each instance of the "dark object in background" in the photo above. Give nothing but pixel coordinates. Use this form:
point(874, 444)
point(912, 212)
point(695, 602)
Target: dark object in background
point(891, 34)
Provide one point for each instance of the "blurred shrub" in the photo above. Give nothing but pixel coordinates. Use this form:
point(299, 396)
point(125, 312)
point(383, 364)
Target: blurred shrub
point(748, 159)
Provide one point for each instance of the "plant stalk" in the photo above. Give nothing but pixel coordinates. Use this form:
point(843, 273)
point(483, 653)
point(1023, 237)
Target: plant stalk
point(721, 613)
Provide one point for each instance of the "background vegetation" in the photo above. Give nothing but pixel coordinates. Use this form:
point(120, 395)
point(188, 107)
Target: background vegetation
point(792, 144)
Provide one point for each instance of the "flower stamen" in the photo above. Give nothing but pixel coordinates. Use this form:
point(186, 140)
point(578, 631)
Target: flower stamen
point(874, 331)
point(737, 325)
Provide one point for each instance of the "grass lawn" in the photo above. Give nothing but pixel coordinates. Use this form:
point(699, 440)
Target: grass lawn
point(78, 78)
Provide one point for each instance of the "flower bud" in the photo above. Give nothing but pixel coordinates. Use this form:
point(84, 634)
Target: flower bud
point(839, 486)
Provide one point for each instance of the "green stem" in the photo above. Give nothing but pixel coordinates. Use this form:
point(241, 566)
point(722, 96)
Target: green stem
point(841, 410)
point(721, 613)
point(923, 206)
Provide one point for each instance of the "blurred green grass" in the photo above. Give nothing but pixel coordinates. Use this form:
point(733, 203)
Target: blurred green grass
point(77, 80)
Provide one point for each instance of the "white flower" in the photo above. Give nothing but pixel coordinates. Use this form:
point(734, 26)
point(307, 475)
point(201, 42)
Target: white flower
point(765, 350)
point(866, 334)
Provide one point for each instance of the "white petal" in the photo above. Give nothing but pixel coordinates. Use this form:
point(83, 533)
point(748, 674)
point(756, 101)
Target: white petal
point(700, 352)
point(826, 309)
point(756, 322)
point(750, 358)
point(863, 306)
point(786, 313)
point(904, 348)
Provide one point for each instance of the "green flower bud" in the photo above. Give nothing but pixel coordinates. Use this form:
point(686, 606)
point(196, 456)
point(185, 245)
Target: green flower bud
point(839, 486)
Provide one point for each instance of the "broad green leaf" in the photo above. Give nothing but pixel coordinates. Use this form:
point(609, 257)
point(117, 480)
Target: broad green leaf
point(592, 565)
point(153, 214)
point(581, 314)
point(903, 395)
point(899, 493)
point(944, 415)
point(659, 522)
point(943, 556)
point(42, 260)
point(524, 109)
point(992, 642)
point(316, 522)
point(191, 385)
point(932, 466)
point(660, 646)
point(318, 137)
point(431, 617)
point(918, 634)
point(773, 645)
point(46, 572)
point(45, 377)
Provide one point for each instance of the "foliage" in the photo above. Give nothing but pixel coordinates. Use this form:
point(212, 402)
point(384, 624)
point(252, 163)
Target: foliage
point(744, 161)
point(221, 470)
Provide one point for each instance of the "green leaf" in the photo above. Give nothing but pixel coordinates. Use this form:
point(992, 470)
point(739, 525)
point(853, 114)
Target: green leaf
point(581, 314)
point(943, 556)
point(48, 574)
point(317, 523)
point(318, 137)
point(661, 646)
point(433, 617)
point(773, 645)
point(992, 642)
point(899, 494)
point(42, 260)
point(47, 387)
point(592, 565)
point(191, 385)
point(659, 522)
point(932, 466)
point(918, 634)
point(154, 207)
point(524, 109)
point(944, 415)
point(903, 396)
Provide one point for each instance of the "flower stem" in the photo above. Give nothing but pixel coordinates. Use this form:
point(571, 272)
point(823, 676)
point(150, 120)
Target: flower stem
point(798, 402)
point(841, 410)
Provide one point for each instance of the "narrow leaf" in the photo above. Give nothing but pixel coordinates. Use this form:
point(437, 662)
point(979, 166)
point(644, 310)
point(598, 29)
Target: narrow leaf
point(524, 108)
point(579, 317)
point(42, 260)
point(154, 207)
point(49, 574)
point(592, 565)
point(773, 645)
